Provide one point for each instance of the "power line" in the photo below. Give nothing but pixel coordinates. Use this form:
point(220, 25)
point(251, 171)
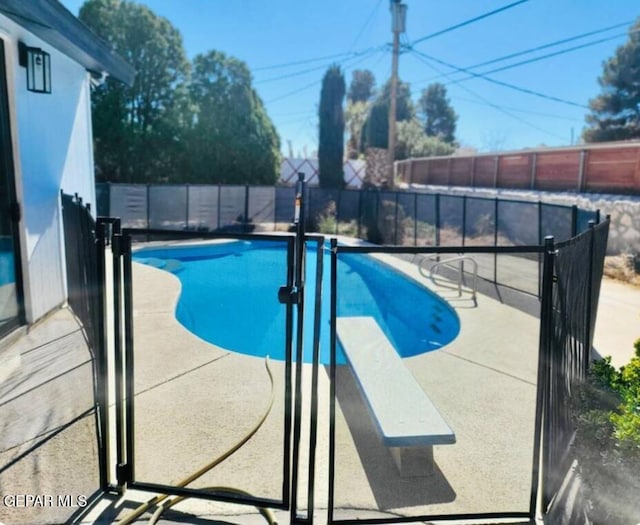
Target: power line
point(305, 61)
point(520, 110)
point(366, 24)
point(317, 82)
point(548, 55)
point(316, 68)
point(486, 101)
point(544, 46)
point(501, 83)
point(470, 21)
point(550, 44)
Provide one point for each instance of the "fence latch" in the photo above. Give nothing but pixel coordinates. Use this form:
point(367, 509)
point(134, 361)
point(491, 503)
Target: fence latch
point(287, 295)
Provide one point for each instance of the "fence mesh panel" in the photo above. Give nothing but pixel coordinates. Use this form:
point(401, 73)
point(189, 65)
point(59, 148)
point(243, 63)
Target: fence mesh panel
point(426, 220)
point(493, 381)
point(262, 206)
point(129, 203)
point(203, 207)
point(451, 217)
point(232, 206)
point(578, 272)
point(168, 207)
point(380, 217)
point(556, 221)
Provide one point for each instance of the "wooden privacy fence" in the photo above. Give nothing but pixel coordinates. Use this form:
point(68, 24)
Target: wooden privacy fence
point(611, 168)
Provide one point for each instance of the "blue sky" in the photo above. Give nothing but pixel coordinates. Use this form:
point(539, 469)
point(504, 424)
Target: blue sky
point(356, 34)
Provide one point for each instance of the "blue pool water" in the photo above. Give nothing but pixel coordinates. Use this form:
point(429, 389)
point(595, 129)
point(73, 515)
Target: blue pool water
point(230, 298)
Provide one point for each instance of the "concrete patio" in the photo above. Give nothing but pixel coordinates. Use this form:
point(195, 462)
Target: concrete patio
point(194, 401)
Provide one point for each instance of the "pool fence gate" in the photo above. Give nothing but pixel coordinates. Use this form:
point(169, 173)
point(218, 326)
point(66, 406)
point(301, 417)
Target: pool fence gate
point(565, 246)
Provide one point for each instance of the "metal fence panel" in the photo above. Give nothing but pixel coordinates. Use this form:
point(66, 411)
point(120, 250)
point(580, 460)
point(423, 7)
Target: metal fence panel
point(168, 207)
point(203, 207)
point(407, 225)
point(426, 214)
point(568, 341)
point(284, 204)
point(556, 221)
point(129, 203)
point(232, 205)
point(262, 205)
point(451, 218)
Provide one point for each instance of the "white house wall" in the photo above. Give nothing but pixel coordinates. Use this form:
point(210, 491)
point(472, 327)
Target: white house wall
point(54, 148)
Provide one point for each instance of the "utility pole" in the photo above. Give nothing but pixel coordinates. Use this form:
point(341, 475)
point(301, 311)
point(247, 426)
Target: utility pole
point(398, 18)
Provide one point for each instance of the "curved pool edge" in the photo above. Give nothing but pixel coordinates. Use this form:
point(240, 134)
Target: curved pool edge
point(402, 269)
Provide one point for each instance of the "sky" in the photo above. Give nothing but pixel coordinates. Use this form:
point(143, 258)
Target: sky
point(289, 44)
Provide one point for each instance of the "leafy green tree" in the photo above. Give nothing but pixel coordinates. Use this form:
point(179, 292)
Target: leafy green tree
point(362, 86)
point(413, 142)
point(137, 130)
point(615, 113)
point(438, 115)
point(331, 139)
point(355, 117)
point(232, 139)
point(375, 133)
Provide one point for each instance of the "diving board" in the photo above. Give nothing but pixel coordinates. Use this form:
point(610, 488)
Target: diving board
point(406, 419)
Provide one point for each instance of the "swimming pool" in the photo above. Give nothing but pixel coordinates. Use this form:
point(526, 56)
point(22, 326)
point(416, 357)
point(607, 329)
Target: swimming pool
point(229, 298)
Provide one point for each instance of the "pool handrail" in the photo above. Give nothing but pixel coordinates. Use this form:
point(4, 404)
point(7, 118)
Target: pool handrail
point(447, 262)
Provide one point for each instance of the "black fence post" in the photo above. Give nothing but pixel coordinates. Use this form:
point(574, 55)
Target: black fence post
point(360, 214)
point(415, 218)
point(543, 399)
point(148, 206)
point(574, 221)
point(127, 296)
point(437, 219)
point(245, 219)
point(338, 204)
point(539, 255)
point(102, 385)
point(464, 219)
point(395, 219)
point(299, 263)
point(333, 308)
point(219, 207)
point(588, 327)
point(116, 248)
point(186, 210)
point(377, 215)
point(495, 238)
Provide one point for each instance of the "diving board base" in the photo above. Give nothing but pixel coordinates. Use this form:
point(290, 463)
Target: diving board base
point(413, 462)
point(407, 421)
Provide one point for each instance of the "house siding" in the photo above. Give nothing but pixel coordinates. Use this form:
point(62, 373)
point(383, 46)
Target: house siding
point(53, 144)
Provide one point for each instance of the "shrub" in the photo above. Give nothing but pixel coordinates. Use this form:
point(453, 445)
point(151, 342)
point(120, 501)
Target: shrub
point(325, 222)
point(607, 443)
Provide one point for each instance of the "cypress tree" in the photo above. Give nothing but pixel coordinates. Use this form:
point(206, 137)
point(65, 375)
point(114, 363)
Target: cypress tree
point(331, 133)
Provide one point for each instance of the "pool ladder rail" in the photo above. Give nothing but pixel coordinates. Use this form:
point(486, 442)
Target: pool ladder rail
point(460, 260)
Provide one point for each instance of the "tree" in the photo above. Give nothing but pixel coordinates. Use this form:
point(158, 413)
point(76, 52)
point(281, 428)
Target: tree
point(362, 86)
point(137, 129)
point(232, 139)
point(355, 117)
point(413, 142)
point(375, 133)
point(331, 140)
point(615, 113)
point(438, 116)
